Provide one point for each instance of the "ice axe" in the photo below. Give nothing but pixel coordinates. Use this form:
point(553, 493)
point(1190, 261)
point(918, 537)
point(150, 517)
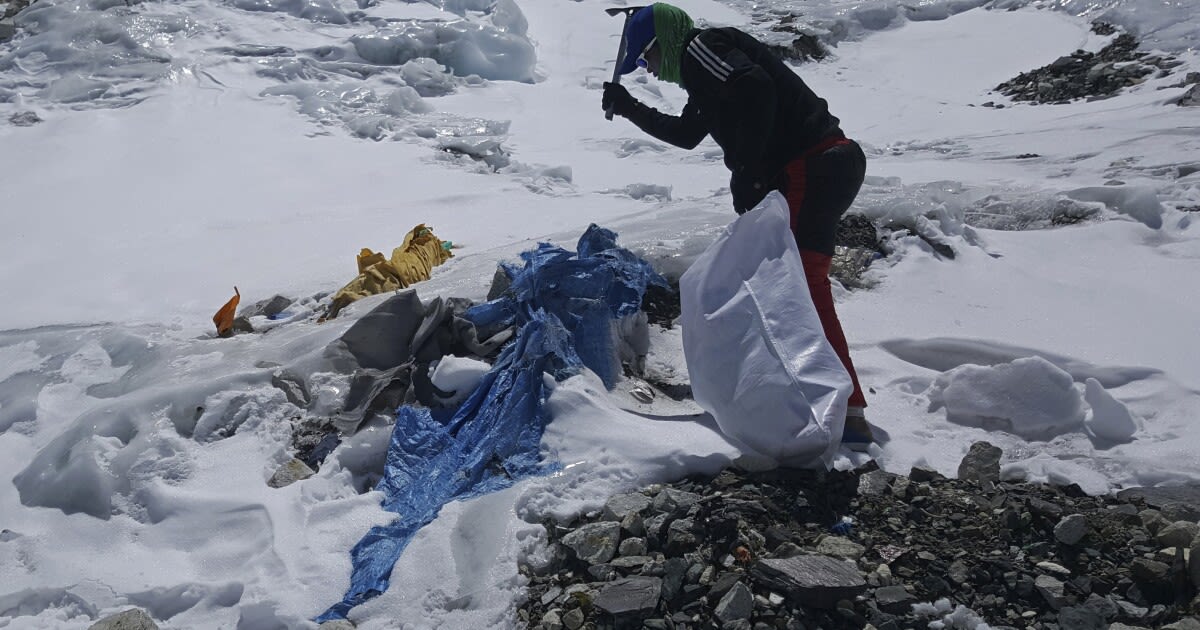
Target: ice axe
point(628, 11)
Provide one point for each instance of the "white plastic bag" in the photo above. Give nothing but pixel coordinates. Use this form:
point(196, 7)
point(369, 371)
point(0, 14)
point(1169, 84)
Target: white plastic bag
point(757, 356)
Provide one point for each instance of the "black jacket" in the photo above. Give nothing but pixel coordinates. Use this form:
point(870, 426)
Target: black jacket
point(759, 111)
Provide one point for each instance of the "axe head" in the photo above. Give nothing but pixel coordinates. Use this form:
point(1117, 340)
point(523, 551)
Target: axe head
point(628, 11)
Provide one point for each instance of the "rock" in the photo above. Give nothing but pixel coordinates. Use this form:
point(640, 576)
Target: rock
point(669, 499)
point(1149, 571)
point(7, 30)
point(619, 507)
point(22, 119)
point(574, 619)
point(681, 536)
point(552, 620)
point(594, 543)
point(632, 547)
point(1153, 521)
point(737, 604)
point(1187, 623)
point(894, 599)
point(634, 525)
point(1052, 590)
point(675, 571)
point(1079, 618)
point(840, 547)
point(336, 624)
point(875, 483)
point(1191, 98)
point(1178, 534)
point(1177, 503)
point(291, 472)
point(293, 388)
point(132, 619)
point(811, 580)
point(631, 597)
point(267, 308)
point(1053, 567)
point(981, 464)
point(630, 562)
point(1071, 529)
point(1102, 606)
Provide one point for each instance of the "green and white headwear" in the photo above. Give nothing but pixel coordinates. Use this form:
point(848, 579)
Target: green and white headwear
point(663, 24)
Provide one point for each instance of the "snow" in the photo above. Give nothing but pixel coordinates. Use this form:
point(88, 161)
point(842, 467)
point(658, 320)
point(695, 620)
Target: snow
point(187, 148)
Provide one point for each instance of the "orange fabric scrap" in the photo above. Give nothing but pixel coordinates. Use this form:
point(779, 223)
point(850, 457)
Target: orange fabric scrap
point(224, 317)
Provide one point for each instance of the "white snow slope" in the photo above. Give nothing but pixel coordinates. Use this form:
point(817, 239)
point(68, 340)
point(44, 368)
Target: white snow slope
point(188, 147)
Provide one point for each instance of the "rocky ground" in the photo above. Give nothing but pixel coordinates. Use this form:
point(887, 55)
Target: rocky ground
point(1086, 75)
point(792, 549)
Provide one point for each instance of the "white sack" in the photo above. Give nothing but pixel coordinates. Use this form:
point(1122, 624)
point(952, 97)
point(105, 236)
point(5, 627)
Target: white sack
point(757, 355)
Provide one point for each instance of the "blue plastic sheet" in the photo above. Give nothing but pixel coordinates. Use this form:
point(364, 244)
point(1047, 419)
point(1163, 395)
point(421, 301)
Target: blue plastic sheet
point(585, 291)
point(564, 305)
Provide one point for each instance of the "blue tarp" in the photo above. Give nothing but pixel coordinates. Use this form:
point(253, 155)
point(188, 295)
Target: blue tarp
point(585, 291)
point(564, 305)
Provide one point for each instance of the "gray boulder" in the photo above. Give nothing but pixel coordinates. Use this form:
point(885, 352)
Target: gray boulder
point(291, 472)
point(132, 619)
point(594, 543)
point(629, 598)
point(811, 580)
point(981, 464)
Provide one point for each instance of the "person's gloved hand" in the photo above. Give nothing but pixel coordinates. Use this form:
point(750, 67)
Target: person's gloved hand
point(617, 97)
point(747, 191)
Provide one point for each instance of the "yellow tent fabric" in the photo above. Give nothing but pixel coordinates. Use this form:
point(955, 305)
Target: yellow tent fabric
point(412, 262)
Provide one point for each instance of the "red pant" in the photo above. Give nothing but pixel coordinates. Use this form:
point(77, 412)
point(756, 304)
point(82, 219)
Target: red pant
point(820, 186)
point(816, 271)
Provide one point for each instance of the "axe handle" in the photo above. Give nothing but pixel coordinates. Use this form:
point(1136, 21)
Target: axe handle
point(616, 78)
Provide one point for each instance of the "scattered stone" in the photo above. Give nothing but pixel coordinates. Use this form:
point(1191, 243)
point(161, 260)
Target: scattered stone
point(632, 597)
point(811, 580)
point(132, 619)
point(840, 547)
point(574, 619)
point(737, 604)
point(21, 119)
point(981, 464)
point(894, 599)
point(267, 308)
point(623, 505)
point(1176, 503)
point(1178, 534)
point(291, 472)
point(1086, 75)
point(632, 547)
point(1014, 554)
point(670, 499)
point(595, 543)
point(1071, 529)
point(1190, 98)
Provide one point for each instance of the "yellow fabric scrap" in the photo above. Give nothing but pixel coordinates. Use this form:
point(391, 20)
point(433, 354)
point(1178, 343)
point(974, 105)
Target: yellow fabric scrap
point(410, 263)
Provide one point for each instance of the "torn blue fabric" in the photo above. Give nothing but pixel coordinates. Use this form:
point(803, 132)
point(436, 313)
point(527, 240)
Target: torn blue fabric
point(492, 441)
point(564, 305)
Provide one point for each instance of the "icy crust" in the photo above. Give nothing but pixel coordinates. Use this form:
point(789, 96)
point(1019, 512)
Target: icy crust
point(1166, 26)
point(369, 73)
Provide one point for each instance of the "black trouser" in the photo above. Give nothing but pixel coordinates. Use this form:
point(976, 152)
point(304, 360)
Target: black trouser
point(819, 189)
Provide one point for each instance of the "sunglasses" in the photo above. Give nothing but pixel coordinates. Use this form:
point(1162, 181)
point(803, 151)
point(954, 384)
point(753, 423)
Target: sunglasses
point(641, 60)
